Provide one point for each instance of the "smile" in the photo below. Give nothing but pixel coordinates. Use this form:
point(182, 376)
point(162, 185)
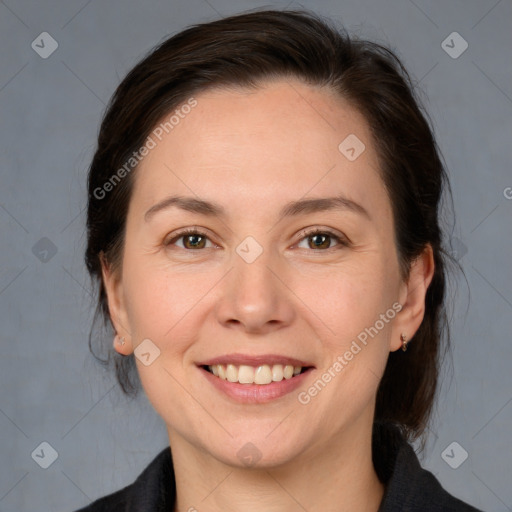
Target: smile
point(261, 375)
point(255, 379)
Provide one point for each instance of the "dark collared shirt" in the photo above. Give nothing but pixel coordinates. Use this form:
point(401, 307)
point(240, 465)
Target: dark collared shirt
point(409, 488)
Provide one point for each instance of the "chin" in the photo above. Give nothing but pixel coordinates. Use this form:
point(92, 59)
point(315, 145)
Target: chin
point(261, 451)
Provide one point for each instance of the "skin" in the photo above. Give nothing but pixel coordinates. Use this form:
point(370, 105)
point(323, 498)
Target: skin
point(252, 152)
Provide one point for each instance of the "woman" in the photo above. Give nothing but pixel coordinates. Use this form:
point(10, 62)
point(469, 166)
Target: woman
point(263, 227)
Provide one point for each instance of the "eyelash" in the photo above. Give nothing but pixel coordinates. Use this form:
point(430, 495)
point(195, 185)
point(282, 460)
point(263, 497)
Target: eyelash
point(304, 234)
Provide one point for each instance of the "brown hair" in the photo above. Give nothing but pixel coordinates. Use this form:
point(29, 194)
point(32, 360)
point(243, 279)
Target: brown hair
point(243, 51)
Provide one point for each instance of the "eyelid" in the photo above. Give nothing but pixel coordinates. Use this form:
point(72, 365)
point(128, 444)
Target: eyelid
point(173, 237)
point(303, 233)
point(340, 237)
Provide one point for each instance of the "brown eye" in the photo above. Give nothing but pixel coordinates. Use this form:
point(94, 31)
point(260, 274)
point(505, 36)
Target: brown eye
point(190, 240)
point(322, 240)
point(319, 241)
point(194, 241)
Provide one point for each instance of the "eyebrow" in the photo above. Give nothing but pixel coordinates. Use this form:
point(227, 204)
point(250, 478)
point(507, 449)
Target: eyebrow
point(300, 207)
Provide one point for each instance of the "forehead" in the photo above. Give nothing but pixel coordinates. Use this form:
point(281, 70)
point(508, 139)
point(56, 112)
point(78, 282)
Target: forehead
point(281, 141)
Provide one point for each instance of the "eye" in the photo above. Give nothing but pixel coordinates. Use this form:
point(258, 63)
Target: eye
point(320, 239)
point(317, 239)
point(191, 239)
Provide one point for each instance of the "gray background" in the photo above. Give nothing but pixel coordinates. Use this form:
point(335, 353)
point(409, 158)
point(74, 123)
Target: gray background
point(50, 109)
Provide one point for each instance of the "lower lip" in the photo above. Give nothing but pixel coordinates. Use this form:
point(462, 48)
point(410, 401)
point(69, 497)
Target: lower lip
point(256, 393)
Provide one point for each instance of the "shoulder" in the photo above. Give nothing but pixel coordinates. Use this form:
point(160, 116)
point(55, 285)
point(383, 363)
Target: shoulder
point(409, 487)
point(112, 503)
point(154, 489)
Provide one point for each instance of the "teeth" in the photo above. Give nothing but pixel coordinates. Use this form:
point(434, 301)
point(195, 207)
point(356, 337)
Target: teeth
point(232, 373)
point(264, 374)
point(288, 371)
point(277, 373)
point(245, 374)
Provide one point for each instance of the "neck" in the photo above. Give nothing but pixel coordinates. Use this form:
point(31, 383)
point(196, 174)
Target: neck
point(339, 476)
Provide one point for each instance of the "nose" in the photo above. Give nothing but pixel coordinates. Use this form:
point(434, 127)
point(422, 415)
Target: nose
point(254, 298)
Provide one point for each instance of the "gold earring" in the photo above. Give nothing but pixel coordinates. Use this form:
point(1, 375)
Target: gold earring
point(403, 338)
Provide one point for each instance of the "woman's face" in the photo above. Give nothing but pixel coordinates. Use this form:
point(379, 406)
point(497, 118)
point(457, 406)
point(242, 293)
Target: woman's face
point(258, 173)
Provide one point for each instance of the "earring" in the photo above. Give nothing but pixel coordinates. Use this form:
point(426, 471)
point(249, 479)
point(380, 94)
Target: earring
point(403, 338)
point(120, 340)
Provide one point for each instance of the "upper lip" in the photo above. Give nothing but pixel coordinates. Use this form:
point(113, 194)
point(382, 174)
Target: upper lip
point(242, 359)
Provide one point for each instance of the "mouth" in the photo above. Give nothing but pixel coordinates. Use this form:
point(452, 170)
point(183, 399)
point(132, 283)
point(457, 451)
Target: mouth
point(260, 375)
point(255, 379)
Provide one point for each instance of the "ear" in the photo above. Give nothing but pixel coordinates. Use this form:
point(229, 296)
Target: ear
point(116, 306)
point(412, 298)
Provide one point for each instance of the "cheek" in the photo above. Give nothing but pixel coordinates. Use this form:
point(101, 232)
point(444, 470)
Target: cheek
point(348, 298)
point(353, 315)
point(159, 299)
